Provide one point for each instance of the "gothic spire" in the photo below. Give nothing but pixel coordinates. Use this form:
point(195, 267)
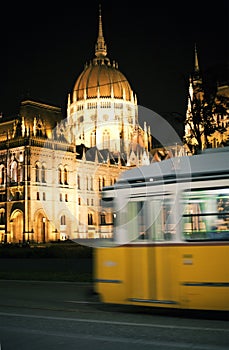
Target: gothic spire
point(197, 69)
point(196, 75)
point(100, 47)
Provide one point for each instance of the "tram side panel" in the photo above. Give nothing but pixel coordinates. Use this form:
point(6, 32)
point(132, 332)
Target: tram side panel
point(110, 272)
point(188, 276)
point(167, 272)
point(138, 275)
point(141, 277)
point(204, 276)
point(125, 274)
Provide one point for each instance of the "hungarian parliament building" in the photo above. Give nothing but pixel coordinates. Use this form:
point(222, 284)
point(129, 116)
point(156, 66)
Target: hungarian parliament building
point(52, 170)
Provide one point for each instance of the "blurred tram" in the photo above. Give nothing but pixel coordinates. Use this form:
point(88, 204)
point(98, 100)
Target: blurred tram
point(170, 245)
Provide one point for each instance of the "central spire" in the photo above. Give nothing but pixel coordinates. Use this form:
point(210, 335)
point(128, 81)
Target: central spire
point(196, 75)
point(100, 47)
point(196, 61)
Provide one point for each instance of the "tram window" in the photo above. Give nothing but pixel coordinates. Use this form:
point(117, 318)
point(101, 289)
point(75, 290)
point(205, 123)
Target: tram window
point(151, 219)
point(206, 214)
point(142, 232)
point(160, 219)
point(127, 221)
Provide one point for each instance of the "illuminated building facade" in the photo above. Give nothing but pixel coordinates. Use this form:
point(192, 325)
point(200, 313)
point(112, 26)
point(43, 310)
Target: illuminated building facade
point(52, 170)
point(196, 90)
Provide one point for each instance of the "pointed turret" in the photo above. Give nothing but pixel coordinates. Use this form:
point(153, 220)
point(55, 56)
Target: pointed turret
point(197, 69)
point(197, 80)
point(100, 47)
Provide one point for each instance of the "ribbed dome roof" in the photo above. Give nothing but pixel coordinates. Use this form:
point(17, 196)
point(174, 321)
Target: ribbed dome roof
point(104, 79)
point(101, 78)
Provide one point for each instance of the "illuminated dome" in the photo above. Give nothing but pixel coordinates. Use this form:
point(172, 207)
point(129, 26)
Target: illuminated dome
point(102, 78)
point(102, 109)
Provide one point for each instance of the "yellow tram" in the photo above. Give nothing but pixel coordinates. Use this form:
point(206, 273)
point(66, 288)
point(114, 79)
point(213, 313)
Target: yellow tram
point(170, 246)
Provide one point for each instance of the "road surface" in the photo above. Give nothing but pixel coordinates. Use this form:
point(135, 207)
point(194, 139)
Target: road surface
point(61, 315)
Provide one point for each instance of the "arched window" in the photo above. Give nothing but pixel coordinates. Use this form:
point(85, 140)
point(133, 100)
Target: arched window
point(103, 219)
point(2, 216)
point(2, 174)
point(60, 176)
point(90, 219)
point(37, 173)
point(14, 172)
point(78, 182)
point(65, 176)
point(43, 174)
point(63, 220)
point(87, 182)
point(92, 183)
point(104, 181)
point(39, 130)
point(100, 184)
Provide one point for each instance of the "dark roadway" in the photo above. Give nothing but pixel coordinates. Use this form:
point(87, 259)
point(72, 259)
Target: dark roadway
point(64, 315)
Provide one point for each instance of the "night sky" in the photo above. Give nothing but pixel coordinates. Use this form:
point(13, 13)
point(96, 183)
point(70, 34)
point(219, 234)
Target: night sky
point(44, 48)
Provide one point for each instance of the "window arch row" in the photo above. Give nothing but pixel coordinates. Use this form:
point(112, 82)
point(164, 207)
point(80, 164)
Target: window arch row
point(63, 175)
point(40, 172)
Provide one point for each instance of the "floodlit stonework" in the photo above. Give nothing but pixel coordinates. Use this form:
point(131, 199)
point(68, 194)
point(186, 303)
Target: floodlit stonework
point(52, 170)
